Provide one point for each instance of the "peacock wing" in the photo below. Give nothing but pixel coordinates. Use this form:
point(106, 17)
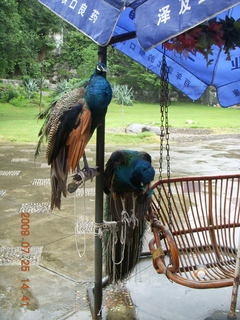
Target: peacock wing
point(145, 156)
point(59, 132)
point(72, 120)
point(78, 138)
point(53, 114)
point(117, 158)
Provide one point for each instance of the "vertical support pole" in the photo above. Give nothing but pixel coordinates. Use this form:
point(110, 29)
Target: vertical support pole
point(100, 148)
point(232, 312)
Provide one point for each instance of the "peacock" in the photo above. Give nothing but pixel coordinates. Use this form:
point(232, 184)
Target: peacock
point(127, 179)
point(68, 126)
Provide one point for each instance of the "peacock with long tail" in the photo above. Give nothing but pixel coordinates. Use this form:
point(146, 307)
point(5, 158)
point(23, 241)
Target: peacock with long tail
point(127, 178)
point(68, 126)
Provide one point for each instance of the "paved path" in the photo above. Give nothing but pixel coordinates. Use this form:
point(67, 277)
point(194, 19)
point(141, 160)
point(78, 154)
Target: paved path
point(58, 277)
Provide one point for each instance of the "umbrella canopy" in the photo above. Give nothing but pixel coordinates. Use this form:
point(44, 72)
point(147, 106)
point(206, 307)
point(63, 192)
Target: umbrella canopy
point(146, 24)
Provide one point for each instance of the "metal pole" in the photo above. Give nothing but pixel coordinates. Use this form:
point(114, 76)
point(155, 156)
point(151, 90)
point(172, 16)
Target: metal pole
point(100, 148)
point(232, 312)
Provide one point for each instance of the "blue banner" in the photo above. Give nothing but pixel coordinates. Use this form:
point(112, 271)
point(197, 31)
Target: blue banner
point(157, 21)
point(154, 20)
point(96, 19)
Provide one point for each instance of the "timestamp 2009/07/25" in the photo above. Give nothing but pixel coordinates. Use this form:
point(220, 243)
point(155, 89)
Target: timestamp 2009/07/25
point(25, 258)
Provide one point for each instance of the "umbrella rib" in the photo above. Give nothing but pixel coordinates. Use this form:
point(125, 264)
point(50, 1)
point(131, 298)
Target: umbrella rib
point(123, 37)
point(216, 64)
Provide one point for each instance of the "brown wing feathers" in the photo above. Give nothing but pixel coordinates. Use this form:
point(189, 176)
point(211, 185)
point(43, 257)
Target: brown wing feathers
point(67, 127)
point(78, 139)
point(68, 142)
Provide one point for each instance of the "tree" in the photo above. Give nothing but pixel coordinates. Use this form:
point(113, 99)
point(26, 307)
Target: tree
point(124, 70)
point(78, 52)
point(26, 36)
point(10, 35)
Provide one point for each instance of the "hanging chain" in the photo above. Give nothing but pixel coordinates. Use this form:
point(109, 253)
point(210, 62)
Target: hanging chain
point(164, 126)
point(164, 129)
point(162, 134)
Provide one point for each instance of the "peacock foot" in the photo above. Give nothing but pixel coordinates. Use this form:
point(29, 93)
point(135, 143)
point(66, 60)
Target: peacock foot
point(81, 176)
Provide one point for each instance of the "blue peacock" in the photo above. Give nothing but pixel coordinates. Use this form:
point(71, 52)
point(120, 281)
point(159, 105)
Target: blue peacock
point(68, 126)
point(127, 179)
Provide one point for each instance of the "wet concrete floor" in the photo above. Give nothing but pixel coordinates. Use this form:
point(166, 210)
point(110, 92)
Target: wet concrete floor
point(59, 270)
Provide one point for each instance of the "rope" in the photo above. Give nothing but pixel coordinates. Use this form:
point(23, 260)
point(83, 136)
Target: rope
point(126, 220)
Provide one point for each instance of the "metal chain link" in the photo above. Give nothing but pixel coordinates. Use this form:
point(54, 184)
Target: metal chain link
point(162, 134)
point(164, 129)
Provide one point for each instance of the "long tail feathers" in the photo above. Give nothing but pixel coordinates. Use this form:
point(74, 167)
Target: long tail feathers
point(59, 173)
point(123, 249)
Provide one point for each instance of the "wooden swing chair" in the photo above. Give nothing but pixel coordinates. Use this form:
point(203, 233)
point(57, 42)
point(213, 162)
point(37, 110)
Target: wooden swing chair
point(195, 221)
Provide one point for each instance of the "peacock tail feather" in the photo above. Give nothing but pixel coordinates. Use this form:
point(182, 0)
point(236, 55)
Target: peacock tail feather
point(123, 247)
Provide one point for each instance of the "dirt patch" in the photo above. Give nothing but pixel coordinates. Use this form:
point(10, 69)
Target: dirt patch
point(196, 134)
point(188, 134)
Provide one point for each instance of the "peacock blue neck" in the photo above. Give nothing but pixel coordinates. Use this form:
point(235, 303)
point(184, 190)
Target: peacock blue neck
point(98, 96)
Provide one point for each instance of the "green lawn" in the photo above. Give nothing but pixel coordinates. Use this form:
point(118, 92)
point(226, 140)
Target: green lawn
point(20, 124)
point(202, 116)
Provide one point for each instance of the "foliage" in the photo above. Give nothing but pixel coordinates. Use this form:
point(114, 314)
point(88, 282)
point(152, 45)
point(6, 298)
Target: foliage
point(78, 56)
point(125, 71)
point(20, 102)
point(31, 87)
point(123, 95)
point(7, 93)
point(25, 37)
point(9, 35)
point(222, 33)
point(66, 86)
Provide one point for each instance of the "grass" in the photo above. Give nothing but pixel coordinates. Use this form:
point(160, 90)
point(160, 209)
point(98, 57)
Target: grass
point(146, 113)
point(19, 123)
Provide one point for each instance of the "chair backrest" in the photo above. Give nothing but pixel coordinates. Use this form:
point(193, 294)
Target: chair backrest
point(203, 215)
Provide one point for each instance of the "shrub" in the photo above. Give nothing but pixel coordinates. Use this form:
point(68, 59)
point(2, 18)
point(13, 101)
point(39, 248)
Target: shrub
point(7, 93)
point(66, 86)
point(123, 95)
point(31, 87)
point(20, 102)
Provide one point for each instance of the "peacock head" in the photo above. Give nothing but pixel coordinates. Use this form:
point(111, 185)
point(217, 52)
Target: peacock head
point(101, 68)
point(142, 175)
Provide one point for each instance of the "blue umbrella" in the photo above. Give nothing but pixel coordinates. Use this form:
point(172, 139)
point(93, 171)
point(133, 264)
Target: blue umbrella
point(146, 24)
point(191, 74)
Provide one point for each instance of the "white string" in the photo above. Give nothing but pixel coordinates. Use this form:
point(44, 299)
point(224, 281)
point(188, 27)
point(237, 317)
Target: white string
point(77, 216)
point(134, 218)
point(125, 221)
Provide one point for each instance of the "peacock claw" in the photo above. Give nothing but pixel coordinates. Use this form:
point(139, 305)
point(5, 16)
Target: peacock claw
point(81, 176)
point(91, 172)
